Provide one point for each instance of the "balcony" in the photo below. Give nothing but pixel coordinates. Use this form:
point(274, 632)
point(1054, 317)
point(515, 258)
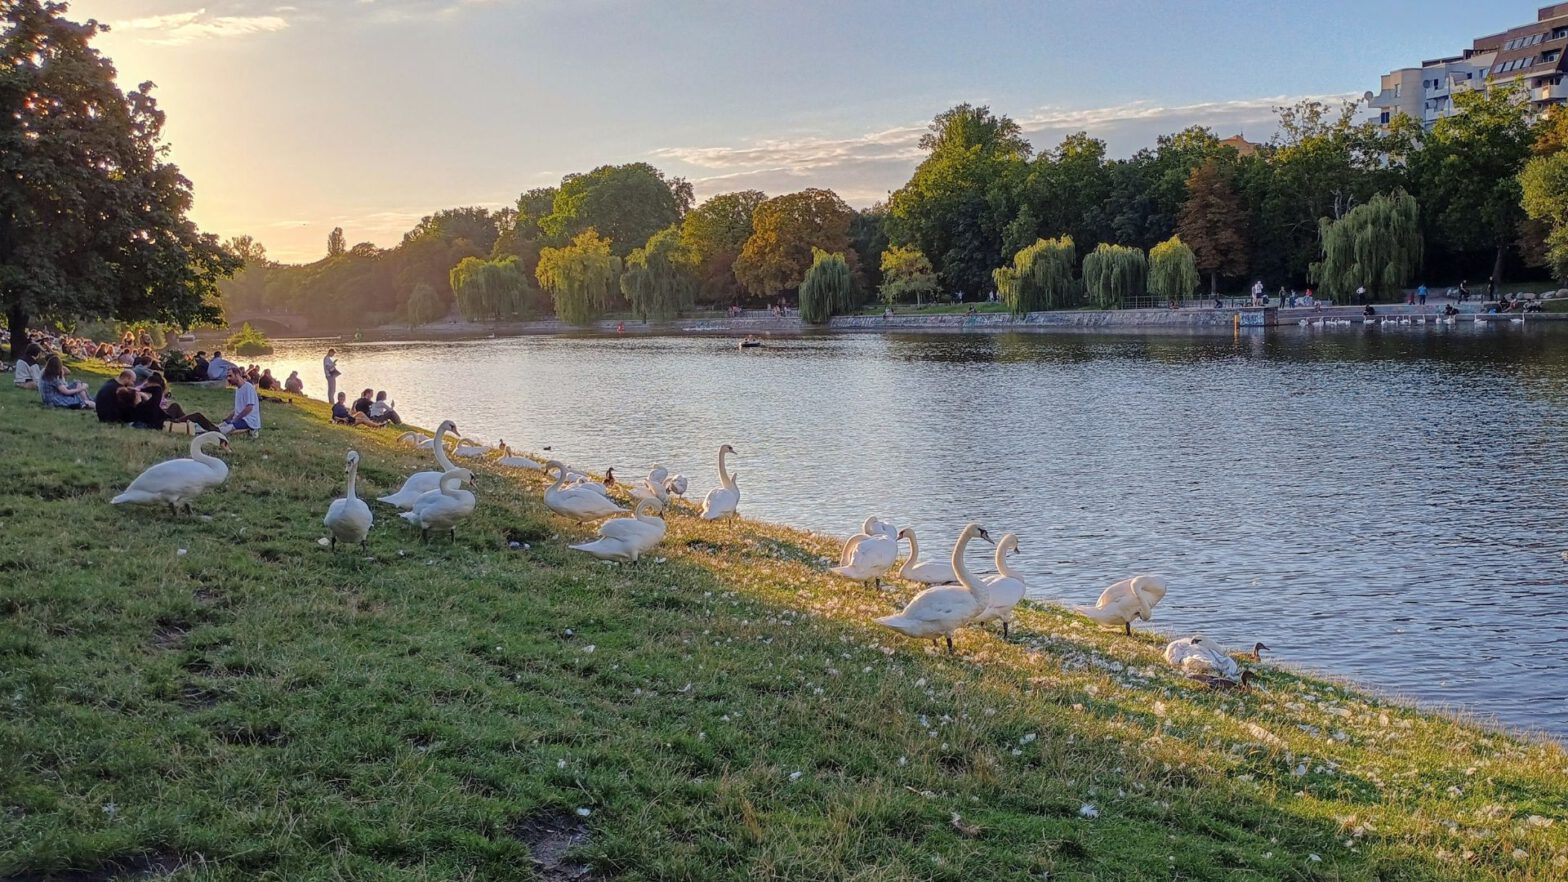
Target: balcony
point(1557, 92)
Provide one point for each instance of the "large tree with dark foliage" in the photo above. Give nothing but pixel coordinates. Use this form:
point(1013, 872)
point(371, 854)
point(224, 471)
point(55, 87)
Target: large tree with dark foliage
point(92, 218)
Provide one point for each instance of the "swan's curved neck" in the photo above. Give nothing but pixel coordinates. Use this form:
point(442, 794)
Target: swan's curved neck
point(1002, 549)
point(440, 448)
point(914, 553)
point(353, 471)
point(645, 505)
point(449, 484)
point(201, 455)
point(724, 475)
point(560, 474)
point(975, 587)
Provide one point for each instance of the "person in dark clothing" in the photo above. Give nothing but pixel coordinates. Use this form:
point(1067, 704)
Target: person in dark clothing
point(157, 389)
point(199, 366)
point(110, 396)
point(365, 400)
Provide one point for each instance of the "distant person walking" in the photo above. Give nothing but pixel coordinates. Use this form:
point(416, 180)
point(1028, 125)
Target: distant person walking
point(1421, 294)
point(1464, 291)
point(329, 366)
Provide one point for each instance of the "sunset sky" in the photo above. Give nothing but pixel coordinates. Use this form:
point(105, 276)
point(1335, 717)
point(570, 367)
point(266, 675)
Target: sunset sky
point(296, 117)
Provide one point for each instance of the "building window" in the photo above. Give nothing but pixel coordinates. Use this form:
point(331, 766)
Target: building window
point(1384, 118)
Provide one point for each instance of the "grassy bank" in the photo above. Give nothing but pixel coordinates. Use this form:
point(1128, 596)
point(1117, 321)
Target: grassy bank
point(219, 697)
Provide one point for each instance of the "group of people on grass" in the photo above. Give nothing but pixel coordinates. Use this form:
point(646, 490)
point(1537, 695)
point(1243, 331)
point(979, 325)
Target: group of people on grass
point(218, 367)
point(371, 409)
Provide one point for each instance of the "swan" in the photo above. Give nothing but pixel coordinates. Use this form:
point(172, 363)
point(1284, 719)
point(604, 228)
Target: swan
point(468, 448)
point(420, 483)
point(349, 518)
point(580, 502)
point(576, 480)
point(1125, 601)
point(1194, 655)
point(627, 538)
point(945, 608)
point(511, 460)
point(652, 487)
point(676, 486)
point(869, 553)
point(412, 439)
point(1005, 588)
point(928, 572)
point(176, 482)
point(723, 499)
point(443, 508)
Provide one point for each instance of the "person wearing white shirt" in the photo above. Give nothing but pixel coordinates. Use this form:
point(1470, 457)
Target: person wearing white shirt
point(329, 366)
point(247, 405)
point(28, 370)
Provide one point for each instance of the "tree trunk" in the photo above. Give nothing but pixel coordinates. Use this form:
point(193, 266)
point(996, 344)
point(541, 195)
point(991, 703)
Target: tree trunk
point(1497, 267)
point(16, 319)
point(1214, 283)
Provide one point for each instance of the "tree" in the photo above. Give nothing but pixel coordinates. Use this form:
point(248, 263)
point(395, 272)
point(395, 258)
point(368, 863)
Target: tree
point(1114, 274)
point(581, 276)
point(827, 288)
point(1173, 270)
point(714, 234)
point(337, 243)
point(1040, 277)
point(245, 291)
point(1376, 246)
point(906, 274)
point(424, 306)
point(93, 222)
point(490, 289)
point(626, 203)
point(474, 225)
point(1544, 185)
point(786, 232)
point(868, 239)
point(659, 280)
point(1214, 224)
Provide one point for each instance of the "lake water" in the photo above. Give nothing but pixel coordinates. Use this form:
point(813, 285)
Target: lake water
point(1381, 504)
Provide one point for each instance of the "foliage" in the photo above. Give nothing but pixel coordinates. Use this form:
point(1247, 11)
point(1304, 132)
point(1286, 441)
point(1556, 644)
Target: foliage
point(248, 341)
point(828, 288)
point(1173, 270)
point(906, 275)
point(476, 226)
point(492, 289)
point(786, 232)
point(868, 238)
point(625, 203)
point(179, 367)
point(93, 221)
point(1114, 274)
point(1214, 224)
point(424, 305)
point(1040, 276)
point(1544, 185)
point(1376, 245)
point(337, 243)
point(581, 276)
point(714, 234)
point(659, 281)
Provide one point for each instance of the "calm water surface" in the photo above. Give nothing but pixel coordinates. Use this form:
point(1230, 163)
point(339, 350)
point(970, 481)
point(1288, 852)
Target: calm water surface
point(1381, 504)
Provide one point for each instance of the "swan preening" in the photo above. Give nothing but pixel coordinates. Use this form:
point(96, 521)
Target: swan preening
point(869, 553)
point(443, 508)
point(626, 539)
point(1004, 590)
point(348, 519)
point(582, 502)
point(176, 482)
point(1198, 655)
point(938, 612)
point(1123, 602)
point(654, 487)
point(420, 483)
point(725, 498)
point(928, 572)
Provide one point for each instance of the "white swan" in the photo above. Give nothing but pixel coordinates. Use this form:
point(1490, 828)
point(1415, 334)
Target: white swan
point(349, 518)
point(443, 508)
point(468, 448)
point(581, 503)
point(420, 483)
point(944, 609)
point(676, 486)
point(652, 487)
point(1127, 600)
point(1006, 588)
point(176, 482)
point(725, 498)
point(413, 439)
point(869, 553)
point(1194, 655)
point(928, 572)
point(513, 461)
point(627, 539)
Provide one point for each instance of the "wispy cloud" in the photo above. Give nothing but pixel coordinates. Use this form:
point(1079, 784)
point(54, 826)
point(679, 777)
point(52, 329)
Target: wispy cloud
point(180, 28)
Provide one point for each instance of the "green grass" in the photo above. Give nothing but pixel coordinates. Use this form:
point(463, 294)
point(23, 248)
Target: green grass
point(219, 697)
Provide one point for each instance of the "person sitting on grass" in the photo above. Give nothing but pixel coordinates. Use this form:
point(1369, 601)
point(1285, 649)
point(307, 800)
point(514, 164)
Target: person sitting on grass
point(57, 390)
point(267, 381)
point(381, 410)
point(345, 415)
point(115, 391)
point(294, 385)
point(219, 367)
point(160, 407)
point(246, 416)
point(199, 365)
point(27, 367)
point(363, 402)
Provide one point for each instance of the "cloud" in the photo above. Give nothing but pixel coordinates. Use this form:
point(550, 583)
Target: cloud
point(180, 28)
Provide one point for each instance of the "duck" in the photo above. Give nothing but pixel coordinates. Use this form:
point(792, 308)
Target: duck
point(420, 483)
point(443, 508)
point(725, 498)
point(941, 610)
point(609, 477)
point(512, 461)
point(1005, 589)
point(926, 572)
point(1243, 683)
point(1126, 601)
point(626, 539)
point(349, 518)
point(176, 482)
point(580, 502)
point(1195, 655)
point(870, 553)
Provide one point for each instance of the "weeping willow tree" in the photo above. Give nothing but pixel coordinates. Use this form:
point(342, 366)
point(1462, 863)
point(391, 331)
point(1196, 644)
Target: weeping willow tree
point(827, 288)
point(491, 289)
point(1173, 270)
point(1041, 276)
point(1376, 246)
point(660, 280)
point(424, 306)
point(1114, 274)
point(581, 277)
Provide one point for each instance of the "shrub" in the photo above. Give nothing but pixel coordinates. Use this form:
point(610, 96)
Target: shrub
point(249, 341)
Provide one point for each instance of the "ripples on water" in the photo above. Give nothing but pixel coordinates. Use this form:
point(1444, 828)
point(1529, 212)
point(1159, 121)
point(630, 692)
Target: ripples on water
point(1379, 504)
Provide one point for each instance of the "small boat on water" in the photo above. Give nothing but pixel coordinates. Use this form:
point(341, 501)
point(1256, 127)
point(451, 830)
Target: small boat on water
point(750, 343)
point(186, 337)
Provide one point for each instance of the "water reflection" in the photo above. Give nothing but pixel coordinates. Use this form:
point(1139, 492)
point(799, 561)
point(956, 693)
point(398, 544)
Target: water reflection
point(1377, 503)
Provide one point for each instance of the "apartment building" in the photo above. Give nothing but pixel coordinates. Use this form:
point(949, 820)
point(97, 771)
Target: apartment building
point(1530, 55)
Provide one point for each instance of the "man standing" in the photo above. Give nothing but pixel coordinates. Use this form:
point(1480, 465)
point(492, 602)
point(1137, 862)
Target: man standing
point(1421, 294)
point(329, 366)
point(1257, 293)
point(247, 406)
